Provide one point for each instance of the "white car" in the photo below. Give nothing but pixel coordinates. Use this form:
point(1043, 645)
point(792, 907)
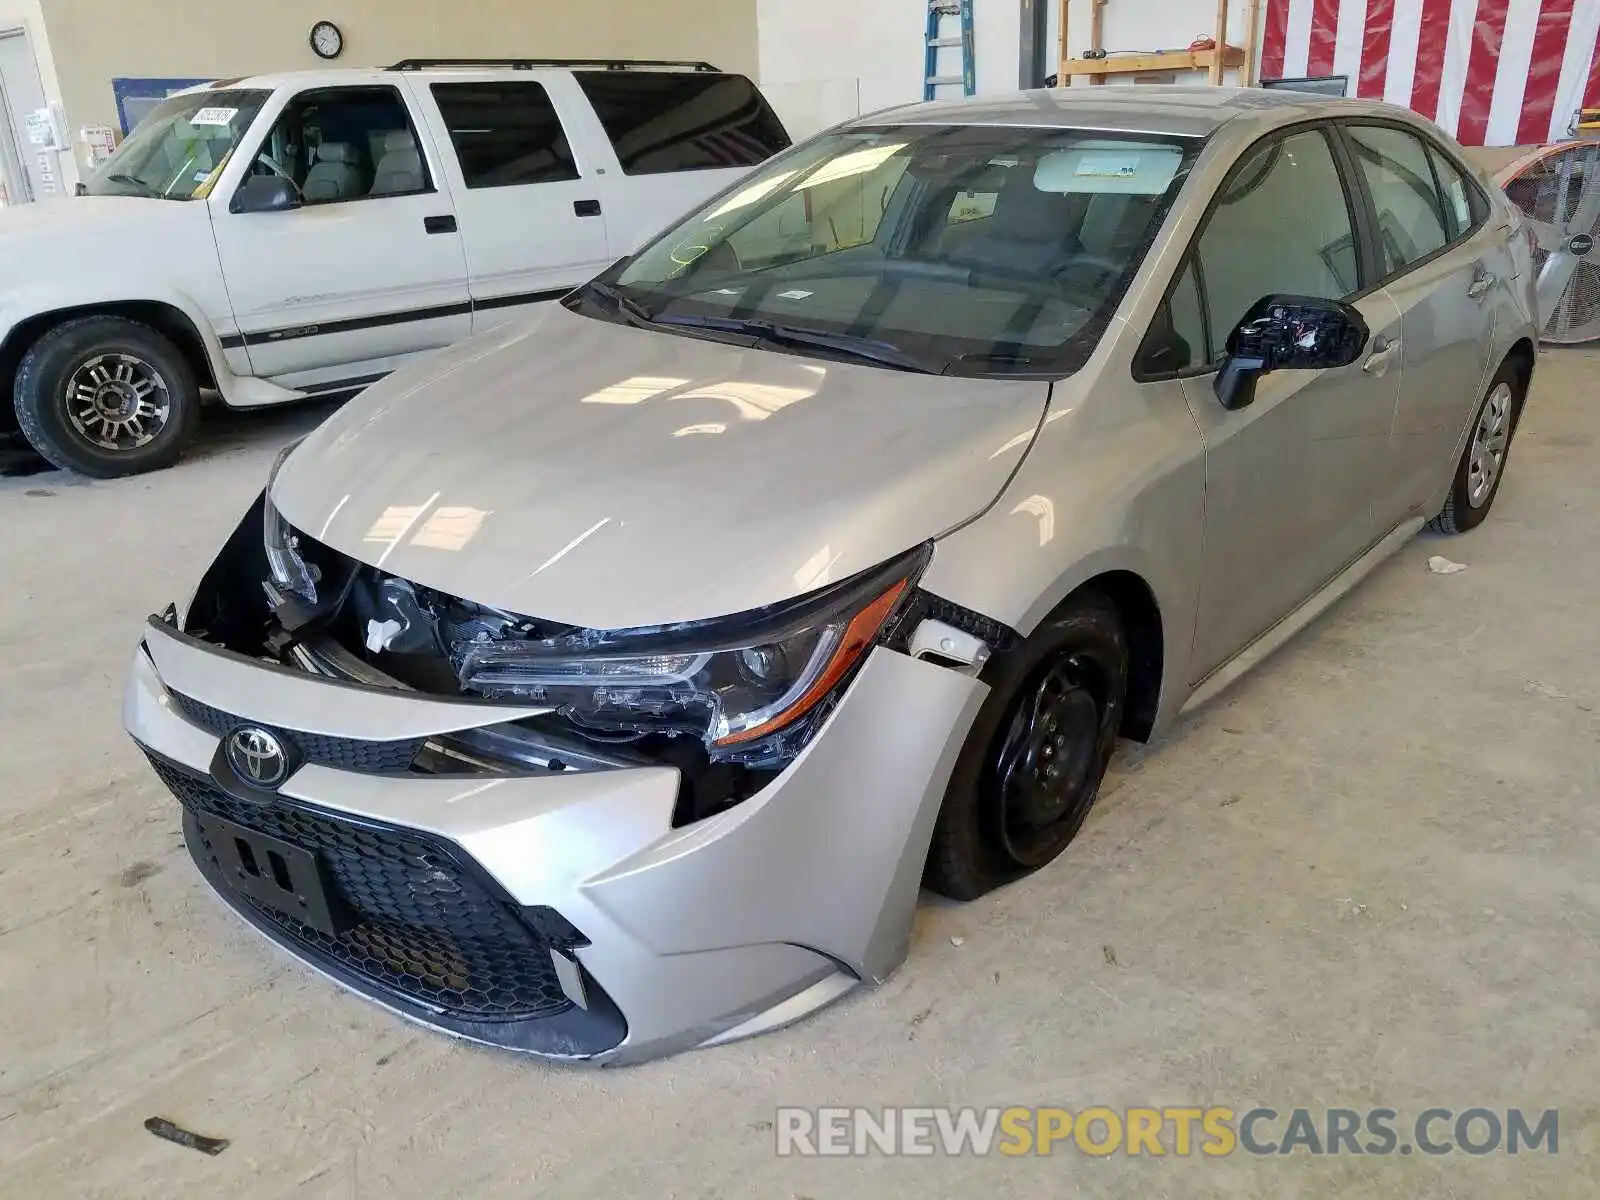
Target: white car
point(306, 234)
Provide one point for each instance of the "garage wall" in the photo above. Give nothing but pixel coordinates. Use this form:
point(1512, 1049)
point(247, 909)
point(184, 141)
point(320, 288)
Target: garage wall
point(825, 60)
point(96, 40)
point(28, 15)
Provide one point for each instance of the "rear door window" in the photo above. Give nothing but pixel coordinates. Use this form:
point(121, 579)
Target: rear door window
point(662, 122)
point(505, 134)
point(1463, 201)
point(1412, 220)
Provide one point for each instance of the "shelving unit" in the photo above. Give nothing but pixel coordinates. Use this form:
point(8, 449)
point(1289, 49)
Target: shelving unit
point(1213, 62)
point(1165, 60)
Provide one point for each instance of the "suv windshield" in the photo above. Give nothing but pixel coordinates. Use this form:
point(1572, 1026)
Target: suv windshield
point(177, 152)
point(961, 249)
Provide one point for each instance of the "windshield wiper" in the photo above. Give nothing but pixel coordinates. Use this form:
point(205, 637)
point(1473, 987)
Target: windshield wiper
point(134, 181)
point(866, 349)
point(636, 313)
point(992, 358)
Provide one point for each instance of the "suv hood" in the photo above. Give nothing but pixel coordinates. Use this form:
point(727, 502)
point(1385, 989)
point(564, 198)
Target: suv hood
point(77, 213)
point(607, 476)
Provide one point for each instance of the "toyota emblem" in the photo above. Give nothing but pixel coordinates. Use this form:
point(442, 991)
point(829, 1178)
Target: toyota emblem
point(258, 757)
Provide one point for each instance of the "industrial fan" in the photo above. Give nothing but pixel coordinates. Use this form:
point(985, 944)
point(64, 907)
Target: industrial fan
point(1558, 189)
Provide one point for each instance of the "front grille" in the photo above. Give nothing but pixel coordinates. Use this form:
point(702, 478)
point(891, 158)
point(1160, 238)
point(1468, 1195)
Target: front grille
point(344, 754)
point(426, 927)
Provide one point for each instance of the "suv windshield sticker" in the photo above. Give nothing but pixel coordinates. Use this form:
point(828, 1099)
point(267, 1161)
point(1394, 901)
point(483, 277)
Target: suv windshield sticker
point(214, 116)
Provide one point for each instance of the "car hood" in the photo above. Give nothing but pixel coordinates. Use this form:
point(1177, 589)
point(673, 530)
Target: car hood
point(612, 477)
point(79, 213)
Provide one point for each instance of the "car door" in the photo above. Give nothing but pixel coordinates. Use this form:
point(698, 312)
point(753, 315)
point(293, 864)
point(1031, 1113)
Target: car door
point(367, 270)
point(679, 138)
point(527, 188)
point(1440, 265)
point(1289, 478)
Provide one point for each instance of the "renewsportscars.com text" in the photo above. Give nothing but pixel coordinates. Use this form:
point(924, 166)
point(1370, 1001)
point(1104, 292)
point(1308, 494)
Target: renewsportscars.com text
point(1213, 1132)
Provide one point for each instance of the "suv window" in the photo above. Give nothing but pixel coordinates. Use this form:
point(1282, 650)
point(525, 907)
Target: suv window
point(505, 134)
point(341, 144)
point(1281, 223)
point(1412, 223)
point(677, 121)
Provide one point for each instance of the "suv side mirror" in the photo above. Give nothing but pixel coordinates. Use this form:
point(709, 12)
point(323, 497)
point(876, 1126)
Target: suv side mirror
point(1288, 333)
point(265, 193)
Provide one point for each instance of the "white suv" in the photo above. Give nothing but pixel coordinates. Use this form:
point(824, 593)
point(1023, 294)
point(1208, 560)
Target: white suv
point(305, 234)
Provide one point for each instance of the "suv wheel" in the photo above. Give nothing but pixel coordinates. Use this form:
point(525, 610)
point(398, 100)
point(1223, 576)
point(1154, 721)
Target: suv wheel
point(105, 397)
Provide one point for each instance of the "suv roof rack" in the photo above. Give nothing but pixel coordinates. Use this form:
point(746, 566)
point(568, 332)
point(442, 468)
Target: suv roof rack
point(530, 64)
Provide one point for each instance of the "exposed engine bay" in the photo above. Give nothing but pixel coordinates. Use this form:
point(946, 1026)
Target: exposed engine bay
point(663, 696)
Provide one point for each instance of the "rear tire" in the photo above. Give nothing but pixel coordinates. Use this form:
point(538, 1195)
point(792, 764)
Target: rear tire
point(1483, 462)
point(105, 397)
point(1032, 765)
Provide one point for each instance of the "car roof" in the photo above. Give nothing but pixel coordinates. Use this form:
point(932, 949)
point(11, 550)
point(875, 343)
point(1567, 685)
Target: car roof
point(1196, 111)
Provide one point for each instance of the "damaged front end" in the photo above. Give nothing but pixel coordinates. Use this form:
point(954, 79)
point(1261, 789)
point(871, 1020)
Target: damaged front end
point(729, 702)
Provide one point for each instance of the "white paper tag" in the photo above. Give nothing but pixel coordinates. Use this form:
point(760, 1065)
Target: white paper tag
point(796, 294)
point(214, 116)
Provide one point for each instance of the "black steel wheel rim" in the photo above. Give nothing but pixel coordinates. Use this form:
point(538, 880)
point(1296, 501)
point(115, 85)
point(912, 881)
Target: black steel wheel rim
point(1046, 767)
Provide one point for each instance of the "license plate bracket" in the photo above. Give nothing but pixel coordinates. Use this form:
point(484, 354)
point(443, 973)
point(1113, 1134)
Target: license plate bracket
point(288, 879)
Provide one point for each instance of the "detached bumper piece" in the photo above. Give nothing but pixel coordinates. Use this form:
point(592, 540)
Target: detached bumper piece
point(400, 917)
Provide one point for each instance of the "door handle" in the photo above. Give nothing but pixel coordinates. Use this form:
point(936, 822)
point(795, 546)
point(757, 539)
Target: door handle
point(1384, 351)
point(1480, 285)
point(445, 224)
point(586, 208)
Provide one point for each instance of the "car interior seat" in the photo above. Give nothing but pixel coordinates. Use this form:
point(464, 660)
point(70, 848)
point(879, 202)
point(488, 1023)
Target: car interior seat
point(399, 170)
point(1031, 230)
point(336, 175)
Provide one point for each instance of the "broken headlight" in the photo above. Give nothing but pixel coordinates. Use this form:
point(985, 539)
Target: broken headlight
point(290, 571)
point(731, 682)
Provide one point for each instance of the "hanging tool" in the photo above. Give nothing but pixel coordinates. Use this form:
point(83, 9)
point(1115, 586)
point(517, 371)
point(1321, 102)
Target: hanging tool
point(938, 40)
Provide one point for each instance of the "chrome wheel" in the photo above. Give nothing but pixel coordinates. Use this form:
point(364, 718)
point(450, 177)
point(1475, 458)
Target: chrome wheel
point(118, 401)
point(1487, 456)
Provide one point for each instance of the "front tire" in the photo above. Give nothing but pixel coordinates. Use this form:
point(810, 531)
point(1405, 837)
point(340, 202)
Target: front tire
point(1034, 759)
point(105, 396)
point(1482, 467)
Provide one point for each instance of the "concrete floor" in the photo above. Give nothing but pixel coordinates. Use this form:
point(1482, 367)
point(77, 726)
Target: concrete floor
point(1366, 876)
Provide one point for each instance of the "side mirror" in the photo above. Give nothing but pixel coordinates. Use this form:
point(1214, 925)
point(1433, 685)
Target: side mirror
point(1288, 333)
point(265, 193)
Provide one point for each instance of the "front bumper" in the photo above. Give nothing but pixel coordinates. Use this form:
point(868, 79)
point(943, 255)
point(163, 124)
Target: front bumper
point(563, 914)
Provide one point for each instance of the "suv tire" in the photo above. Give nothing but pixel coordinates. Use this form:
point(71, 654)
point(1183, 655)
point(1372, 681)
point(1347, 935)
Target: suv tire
point(105, 396)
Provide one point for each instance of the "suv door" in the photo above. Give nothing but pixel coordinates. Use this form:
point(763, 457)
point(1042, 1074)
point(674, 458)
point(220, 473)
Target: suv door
point(367, 270)
point(526, 191)
point(1441, 266)
point(1289, 479)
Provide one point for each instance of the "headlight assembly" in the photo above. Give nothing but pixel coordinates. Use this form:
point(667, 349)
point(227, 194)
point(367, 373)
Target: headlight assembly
point(291, 573)
point(731, 682)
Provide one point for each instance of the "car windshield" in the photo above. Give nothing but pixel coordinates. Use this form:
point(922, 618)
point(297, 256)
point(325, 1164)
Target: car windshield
point(177, 152)
point(960, 249)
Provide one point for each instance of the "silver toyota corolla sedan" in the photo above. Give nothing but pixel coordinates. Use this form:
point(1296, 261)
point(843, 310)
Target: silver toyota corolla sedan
point(610, 684)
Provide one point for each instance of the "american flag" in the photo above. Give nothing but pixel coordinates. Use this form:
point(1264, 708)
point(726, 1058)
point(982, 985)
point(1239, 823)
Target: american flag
point(1491, 72)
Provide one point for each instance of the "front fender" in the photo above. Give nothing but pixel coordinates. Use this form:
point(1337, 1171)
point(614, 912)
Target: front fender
point(1118, 489)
